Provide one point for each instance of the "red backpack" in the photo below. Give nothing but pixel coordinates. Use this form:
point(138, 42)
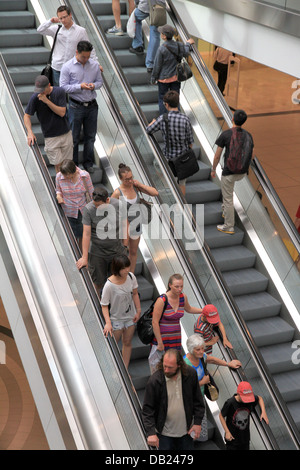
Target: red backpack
point(240, 151)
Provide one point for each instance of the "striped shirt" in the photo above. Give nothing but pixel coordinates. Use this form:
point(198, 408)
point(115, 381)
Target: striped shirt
point(74, 193)
point(170, 329)
point(180, 133)
point(204, 329)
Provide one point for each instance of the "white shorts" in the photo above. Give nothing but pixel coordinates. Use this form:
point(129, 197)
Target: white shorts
point(120, 325)
point(59, 148)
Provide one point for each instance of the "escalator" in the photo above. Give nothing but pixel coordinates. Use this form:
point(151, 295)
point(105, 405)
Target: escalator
point(256, 295)
point(139, 369)
point(137, 353)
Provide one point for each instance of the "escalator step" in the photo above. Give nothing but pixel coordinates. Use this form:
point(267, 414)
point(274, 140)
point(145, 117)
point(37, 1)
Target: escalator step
point(268, 331)
point(245, 281)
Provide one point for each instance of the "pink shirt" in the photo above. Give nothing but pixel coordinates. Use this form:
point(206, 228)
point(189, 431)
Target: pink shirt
point(74, 193)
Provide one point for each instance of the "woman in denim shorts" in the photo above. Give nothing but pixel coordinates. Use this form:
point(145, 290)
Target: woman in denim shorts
point(121, 305)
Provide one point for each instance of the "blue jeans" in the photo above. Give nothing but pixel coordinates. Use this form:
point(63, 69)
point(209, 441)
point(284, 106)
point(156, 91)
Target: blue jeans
point(162, 90)
point(154, 41)
point(83, 117)
point(55, 77)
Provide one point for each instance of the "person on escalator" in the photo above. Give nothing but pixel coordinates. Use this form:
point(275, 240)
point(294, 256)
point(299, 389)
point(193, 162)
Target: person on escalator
point(49, 103)
point(205, 324)
point(164, 69)
point(238, 144)
point(180, 130)
point(121, 304)
point(142, 12)
point(235, 416)
point(104, 222)
point(67, 39)
point(130, 191)
point(74, 189)
point(116, 8)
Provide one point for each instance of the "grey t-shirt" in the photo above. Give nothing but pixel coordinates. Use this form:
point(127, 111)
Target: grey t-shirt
point(119, 297)
point(108, 227)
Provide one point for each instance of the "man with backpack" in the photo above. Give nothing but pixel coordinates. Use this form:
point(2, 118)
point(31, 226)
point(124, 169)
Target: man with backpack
point(238, 144)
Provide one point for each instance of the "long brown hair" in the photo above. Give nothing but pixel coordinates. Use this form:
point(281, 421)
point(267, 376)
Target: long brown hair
point(179, 360)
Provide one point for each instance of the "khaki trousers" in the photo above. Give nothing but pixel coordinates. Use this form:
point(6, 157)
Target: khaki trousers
point(227, 187)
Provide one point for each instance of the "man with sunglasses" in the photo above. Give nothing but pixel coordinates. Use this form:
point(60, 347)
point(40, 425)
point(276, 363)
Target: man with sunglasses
point(104, 229)
point(69, 35)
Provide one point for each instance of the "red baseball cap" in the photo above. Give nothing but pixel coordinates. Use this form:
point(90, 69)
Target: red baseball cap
point(211, 313)
point(245, 392)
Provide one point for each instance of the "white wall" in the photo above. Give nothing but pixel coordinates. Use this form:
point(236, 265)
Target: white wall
point(257, 42)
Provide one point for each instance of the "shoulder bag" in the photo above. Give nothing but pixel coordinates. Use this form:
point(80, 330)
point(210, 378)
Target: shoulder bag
point(47, 71)
point(211, 390)
point(183, 70)
point(186, 164)
point(144, 326)
point(157, 13)
point(147, 212)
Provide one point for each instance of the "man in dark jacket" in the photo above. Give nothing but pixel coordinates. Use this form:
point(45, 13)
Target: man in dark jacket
point(165, 63)
point(173, 406)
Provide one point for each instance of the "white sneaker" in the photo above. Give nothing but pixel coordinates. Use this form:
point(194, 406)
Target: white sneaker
point(116, 31)
point(225, 229)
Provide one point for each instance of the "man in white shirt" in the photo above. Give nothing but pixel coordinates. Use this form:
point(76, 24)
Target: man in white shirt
point(69, 35)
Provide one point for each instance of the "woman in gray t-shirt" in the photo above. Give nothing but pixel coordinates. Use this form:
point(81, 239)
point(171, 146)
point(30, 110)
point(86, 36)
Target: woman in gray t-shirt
point(121, 305)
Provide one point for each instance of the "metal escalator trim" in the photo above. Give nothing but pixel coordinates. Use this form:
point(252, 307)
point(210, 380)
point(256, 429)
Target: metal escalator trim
point(280, 209)
point(272, 16)
point(115, 351)
point(229, 298)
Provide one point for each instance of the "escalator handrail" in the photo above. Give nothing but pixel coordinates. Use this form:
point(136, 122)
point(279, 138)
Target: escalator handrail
point(271, 193)
point(227, 115)
point(259, 360)
point(75, 248)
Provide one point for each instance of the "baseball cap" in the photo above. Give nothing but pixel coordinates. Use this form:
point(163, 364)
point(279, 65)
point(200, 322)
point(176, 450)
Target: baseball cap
point(41, 82)
point(246, 393)
point(211, 313)
point(168, 30)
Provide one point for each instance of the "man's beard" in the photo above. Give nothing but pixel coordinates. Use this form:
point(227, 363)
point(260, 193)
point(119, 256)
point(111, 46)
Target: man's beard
point(169, 375)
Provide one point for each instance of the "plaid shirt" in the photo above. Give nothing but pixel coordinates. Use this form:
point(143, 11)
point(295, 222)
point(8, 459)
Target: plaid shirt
point(74, 193)
point(180, 133)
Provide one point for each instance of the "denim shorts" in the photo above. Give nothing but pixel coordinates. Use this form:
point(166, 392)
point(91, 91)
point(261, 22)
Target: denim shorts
point(119, 324)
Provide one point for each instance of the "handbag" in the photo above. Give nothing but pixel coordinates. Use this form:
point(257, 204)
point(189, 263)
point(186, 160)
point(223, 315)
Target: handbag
point(146, 210)
point(183, 70)
point(211, 391)
point(47, 71)
point(144, 325)
point(157, 13)
point(186, 164)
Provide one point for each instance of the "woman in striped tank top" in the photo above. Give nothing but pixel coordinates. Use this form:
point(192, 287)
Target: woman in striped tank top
point(166, 323)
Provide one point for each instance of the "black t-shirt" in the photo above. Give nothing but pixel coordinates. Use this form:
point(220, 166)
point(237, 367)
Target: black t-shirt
point(224, 141)
point(237, 416)
point(51, 123)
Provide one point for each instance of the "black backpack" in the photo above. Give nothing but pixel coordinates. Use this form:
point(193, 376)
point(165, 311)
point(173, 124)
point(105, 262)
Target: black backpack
point(240, 151)
point(144, 326)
